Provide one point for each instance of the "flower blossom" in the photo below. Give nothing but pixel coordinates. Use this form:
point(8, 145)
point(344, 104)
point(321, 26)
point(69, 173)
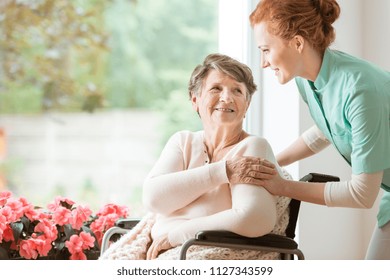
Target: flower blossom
point(48, 229)
point(60, 201)
point(62, 216)
point(79, 216)
point(16, 209)
point(27, 208)
point(4, 196)
point(3, 226)
point(110, 208)
point(107, 216)
point(8, 234)
point(42, 245)
point(78, 243)
point(7, 214)
point(28, 249)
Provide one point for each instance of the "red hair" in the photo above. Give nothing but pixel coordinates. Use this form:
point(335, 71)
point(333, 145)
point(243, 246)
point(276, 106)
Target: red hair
point(311, 19)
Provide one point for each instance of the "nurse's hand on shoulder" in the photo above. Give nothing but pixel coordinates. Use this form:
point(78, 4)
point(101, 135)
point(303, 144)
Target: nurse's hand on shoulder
point(275, 185)
point(249, 170)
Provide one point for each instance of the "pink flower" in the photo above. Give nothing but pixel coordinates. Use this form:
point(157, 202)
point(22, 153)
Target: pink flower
point(8, 215)
point(3, 226)
point(107, 216)
point(99, 226)
point(4, 196)
point(74, 244)
point(113, 209)
point(62, 216)
point(8, 234)
point(88, 240)
point(79, 216)
point(40, 216)
point(28, 249)
point(43, 246)
point(78, 256)
point(34, 247)
point(27, 208)
point(78, 243)
point(60, 202)
point(99, 236)
point(16, 209)
point(48, 229)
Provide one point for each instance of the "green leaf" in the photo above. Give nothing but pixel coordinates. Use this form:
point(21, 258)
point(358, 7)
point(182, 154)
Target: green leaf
point(17, 229)
point(25, 221)
point(87, 229)
point(59, 245)
point(69, 231)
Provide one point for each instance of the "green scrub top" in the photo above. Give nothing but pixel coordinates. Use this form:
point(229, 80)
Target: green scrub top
point(350, 103)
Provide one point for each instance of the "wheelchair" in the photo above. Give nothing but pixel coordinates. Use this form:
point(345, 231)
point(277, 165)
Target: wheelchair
point(283, 244)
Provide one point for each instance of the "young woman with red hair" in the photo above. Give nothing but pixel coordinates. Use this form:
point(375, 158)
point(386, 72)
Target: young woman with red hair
point(348, 99)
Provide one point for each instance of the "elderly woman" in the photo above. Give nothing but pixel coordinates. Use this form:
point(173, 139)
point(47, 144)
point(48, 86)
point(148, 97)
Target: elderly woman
point(198, 184)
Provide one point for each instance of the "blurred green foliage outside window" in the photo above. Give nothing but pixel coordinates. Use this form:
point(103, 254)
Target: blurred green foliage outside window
point(71, 55)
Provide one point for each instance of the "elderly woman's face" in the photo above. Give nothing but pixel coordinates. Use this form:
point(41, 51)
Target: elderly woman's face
point(222, 99)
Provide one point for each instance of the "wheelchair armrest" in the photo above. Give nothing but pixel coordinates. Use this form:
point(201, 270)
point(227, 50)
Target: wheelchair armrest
point(319, 178)
point(127, 223)
point(120, 227)
point(268, 240)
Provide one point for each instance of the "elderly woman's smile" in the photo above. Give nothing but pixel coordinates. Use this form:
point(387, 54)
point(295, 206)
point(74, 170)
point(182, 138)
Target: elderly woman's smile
point(221, 109)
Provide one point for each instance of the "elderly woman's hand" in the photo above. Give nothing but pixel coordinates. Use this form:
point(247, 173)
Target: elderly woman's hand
point(249, 170)
point(158, 245)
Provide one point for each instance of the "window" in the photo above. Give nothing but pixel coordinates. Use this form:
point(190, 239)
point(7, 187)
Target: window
point(236, 40)
point(90, 91)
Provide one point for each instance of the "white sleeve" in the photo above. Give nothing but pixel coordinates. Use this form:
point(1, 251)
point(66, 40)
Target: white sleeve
point(169, 186)
point(360, 192)
point(253, 211)
point(315, 139)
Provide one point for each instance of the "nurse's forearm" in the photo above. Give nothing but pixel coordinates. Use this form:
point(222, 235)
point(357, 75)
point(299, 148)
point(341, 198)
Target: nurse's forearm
point(304, 191)
point(360, 192)
point(296, 151)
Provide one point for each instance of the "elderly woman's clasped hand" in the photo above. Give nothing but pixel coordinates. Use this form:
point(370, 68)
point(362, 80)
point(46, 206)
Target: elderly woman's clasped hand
point(249, 170)
point(158, 245)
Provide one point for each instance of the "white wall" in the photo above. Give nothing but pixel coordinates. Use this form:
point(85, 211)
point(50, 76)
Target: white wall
point(376, 30)
point(376, 46)
point(363, 30)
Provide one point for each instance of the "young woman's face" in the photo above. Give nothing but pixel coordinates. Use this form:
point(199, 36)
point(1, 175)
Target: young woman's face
point(222, 100)
point(280, 55)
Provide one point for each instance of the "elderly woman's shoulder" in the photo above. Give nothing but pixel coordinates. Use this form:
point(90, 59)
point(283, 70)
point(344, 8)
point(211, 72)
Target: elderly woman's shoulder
point(256, 140)
point(254, 146)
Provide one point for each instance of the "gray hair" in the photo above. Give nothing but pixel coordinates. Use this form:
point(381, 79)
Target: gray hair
point(225, 64)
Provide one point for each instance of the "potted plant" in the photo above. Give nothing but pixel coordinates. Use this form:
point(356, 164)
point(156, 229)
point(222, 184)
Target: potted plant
point(62, 231)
